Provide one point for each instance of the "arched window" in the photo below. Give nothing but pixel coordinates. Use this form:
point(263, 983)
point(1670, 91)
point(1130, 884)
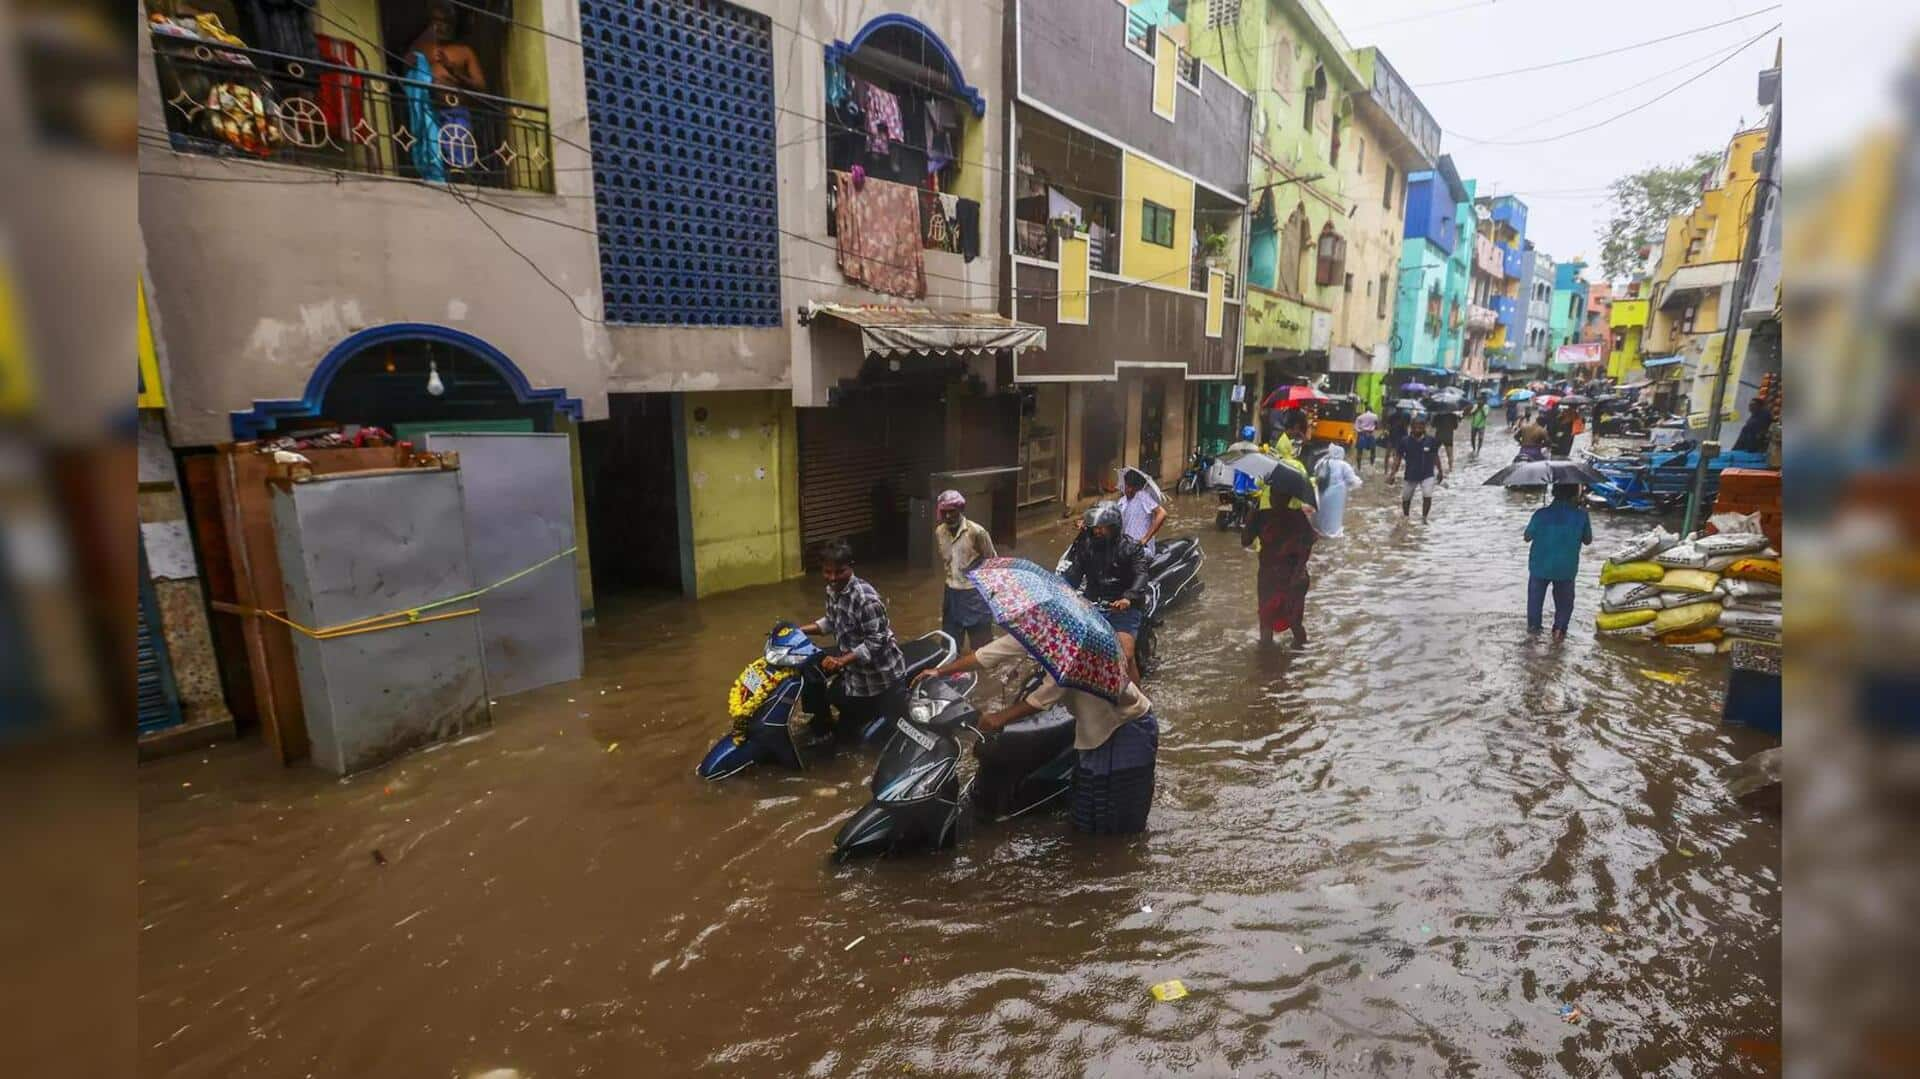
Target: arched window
point(1294, 244)
point(1332, 261)
point(1316, 93)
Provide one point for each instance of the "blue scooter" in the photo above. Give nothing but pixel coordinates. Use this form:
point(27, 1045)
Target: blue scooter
point(775, 690)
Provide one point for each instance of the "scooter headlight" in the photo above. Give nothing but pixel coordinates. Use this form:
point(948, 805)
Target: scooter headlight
point(923, 710)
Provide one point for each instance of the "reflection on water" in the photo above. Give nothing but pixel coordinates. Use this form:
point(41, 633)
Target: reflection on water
point(1401, 850)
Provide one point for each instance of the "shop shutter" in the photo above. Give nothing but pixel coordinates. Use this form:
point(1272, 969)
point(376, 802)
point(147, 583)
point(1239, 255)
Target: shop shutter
point(847, 449)
point(157, 701)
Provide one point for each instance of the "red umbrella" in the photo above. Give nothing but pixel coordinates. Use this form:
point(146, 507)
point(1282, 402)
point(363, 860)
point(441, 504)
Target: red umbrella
point(1546, 402)
point(1295, 396)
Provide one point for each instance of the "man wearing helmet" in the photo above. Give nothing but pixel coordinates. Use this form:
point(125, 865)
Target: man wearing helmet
point(1110, 569)
point(963, 543)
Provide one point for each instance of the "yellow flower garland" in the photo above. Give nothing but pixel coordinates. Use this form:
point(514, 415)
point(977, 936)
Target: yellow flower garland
point(741, 702)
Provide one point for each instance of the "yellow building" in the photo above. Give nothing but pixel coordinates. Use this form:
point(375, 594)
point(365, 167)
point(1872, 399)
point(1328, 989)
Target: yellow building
point(1699, 262)
point(1628, 321)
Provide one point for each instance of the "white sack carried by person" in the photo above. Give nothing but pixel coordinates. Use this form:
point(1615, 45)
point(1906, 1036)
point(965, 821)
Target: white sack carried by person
point(1334, 476)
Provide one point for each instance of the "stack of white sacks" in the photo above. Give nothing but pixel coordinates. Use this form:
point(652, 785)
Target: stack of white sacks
point(1697, 595)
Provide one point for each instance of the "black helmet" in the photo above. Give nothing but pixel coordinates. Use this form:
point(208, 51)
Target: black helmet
point(1103, 513)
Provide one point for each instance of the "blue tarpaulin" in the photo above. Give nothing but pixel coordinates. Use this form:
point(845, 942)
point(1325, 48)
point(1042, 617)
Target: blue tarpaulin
point(1662, 361)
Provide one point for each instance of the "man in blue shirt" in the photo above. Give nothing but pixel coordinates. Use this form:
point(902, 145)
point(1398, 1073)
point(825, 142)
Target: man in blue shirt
point(1419, 453)
point(1558, 531)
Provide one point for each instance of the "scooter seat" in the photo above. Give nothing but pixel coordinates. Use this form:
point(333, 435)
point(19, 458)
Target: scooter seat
point(925, 653)
point(1026, 744)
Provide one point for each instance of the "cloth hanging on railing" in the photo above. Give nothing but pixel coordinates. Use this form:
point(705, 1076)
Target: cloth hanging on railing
point(342, 96)
point(884, 127)
point(878, 228)
point(969, 218)
point(422, 124)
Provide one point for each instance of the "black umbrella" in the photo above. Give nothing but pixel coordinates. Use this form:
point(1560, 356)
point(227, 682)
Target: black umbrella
point(1289, 482)
point(1544, 474)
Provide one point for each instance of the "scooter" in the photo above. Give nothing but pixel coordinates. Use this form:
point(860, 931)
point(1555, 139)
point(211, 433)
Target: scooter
point(1175, 567)
point(767, 698)
point(920, 802)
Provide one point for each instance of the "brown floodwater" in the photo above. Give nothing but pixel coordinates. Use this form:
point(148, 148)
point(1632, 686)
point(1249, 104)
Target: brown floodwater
point(1399, 851)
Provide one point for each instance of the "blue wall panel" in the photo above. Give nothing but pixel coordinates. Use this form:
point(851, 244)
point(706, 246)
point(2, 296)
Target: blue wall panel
point(680, 102)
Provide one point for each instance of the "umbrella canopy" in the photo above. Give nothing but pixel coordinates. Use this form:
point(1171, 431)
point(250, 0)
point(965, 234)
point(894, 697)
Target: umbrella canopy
point(1294, 397)
point(1544, 473)
point(1408, 404)
point(1574, 400)
point(1058, 628)
point(1256, 465)
point(1414, 387)
point(1546, 401)
point(1287, 482)
point(1519, 395)
point(1152, 487)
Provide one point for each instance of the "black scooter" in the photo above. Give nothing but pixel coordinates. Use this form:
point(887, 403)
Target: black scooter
point(768, 695)
point(920, 802)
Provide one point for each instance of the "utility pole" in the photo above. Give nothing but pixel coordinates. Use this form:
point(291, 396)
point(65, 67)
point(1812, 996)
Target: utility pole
point(1710, 440)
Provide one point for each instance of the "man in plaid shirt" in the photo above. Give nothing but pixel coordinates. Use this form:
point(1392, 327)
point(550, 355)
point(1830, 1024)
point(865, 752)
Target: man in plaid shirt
point(872, 670)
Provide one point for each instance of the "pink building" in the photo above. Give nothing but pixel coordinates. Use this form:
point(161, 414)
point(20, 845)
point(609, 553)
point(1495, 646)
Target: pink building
point(1599, 310)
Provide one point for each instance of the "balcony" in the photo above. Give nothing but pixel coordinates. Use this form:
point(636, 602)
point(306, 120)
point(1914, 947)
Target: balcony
point(1197, 278)
point(1481, 319)
point(1512, 261)
point(227, 100)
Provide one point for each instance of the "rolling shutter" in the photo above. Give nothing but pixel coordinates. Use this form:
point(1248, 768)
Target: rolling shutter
point(157, 700)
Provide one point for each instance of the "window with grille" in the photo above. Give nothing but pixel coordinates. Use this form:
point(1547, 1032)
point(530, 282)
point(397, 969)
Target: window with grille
point(680, 103)
point(1222, 13)
point(1386, 190)
point(1156, 223)
point(1380, 311)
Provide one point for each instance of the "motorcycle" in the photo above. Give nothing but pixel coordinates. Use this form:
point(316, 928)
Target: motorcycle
point(768, 696)
point(919, 799)
point(1174, 568)
point(1195, 477)
point(1234, 511)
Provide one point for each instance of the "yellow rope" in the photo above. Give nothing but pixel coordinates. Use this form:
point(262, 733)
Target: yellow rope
point(406, 616)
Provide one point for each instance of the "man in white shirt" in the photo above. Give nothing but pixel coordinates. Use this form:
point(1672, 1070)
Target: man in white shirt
point(1141, 513)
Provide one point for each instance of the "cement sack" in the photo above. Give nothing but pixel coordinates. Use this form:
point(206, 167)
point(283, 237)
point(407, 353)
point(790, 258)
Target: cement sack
point(1646, 572)
point(1699, 582)
point(1631, 596)
point(1691, 616)
point(1624, 619)
point(1731, 543)
point(1643, 546)
point(1643, 632)
point(1767, 570)
point(1709, 635)
point(1753, 625)
point(1704, 648)
point(1740, 589)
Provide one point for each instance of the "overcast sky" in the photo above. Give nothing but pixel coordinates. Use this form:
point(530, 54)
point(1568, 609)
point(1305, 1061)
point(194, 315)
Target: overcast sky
point(1854, 44)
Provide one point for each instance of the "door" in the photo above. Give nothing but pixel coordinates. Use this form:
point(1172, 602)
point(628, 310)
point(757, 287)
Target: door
point(1153, 419)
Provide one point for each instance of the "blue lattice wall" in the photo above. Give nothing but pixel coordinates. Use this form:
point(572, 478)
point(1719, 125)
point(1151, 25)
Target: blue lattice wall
point(680, 99)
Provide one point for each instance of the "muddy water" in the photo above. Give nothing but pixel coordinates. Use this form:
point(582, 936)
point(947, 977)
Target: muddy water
point(1399, 851)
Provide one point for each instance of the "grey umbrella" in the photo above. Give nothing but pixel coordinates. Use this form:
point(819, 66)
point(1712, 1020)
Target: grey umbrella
point(1544, 474)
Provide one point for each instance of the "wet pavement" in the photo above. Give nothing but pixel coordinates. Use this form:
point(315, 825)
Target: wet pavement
point(1400, 851)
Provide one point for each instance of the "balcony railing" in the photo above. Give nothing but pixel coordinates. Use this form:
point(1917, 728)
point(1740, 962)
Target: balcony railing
point(1036, 240)
point(1188, 67)
point(1481, 319)
point(229, 101)
point(1140, 32)
point(1197, 279)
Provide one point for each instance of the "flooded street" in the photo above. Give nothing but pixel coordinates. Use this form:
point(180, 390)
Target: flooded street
point(1399, 851)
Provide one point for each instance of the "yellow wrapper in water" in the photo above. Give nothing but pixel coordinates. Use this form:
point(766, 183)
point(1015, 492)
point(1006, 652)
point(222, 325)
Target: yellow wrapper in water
point(1172, 990)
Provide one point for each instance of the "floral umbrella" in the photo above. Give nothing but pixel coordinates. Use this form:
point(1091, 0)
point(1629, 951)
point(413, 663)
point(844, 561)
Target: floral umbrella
point(1056, 625)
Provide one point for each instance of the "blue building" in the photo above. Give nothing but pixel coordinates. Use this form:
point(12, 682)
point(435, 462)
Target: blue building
point(1430, 315)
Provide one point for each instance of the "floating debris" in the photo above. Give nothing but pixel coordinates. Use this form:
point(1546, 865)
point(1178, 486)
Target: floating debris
point(1171, 990)
point(1672, 678)
point(853, 942)
point(1571, 1013)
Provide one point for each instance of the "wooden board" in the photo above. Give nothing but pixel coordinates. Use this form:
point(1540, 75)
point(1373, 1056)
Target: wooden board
point(200, 477)
point(246, 512)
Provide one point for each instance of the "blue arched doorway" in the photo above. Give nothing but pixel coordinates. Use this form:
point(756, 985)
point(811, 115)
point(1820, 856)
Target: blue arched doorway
point(380, 376)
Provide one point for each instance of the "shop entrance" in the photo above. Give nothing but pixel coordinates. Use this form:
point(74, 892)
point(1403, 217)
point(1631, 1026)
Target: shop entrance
point(1101, 431)
point(1153, 416)
point(632, 495)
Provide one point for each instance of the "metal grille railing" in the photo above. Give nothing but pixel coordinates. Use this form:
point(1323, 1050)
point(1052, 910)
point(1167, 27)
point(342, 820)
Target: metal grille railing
point(226, 100)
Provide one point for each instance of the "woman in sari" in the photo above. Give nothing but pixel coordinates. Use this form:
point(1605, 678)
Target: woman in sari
point(1282, 527)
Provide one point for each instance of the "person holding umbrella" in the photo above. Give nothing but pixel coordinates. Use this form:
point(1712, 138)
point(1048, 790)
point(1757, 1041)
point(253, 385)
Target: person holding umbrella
point(1142, 509)
point(1557, 532)
point(1282, 526)
point(1420, 452)
point(1116, 737)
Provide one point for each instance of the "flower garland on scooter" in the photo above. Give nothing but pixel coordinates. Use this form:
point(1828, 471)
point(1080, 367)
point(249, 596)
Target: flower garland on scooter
point(743, 700)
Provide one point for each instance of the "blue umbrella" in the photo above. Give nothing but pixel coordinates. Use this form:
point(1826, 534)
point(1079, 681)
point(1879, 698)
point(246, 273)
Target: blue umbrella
point(1057, 626)
point(1519, 395)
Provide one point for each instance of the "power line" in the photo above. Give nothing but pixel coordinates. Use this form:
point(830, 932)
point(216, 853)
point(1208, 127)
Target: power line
point(1749, 43)
point(1426, 15)
point(1530, 125)
point(1597, 55)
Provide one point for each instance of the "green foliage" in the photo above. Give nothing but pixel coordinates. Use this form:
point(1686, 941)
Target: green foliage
point(1641, 204)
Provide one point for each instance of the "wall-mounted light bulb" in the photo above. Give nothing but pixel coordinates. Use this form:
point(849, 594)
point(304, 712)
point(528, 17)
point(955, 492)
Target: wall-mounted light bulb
point(434, 385)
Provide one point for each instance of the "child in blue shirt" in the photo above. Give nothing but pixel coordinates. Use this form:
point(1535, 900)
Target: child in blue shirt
point(1557, 531)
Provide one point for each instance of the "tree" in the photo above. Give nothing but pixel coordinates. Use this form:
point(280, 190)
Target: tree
point(1641, 204)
